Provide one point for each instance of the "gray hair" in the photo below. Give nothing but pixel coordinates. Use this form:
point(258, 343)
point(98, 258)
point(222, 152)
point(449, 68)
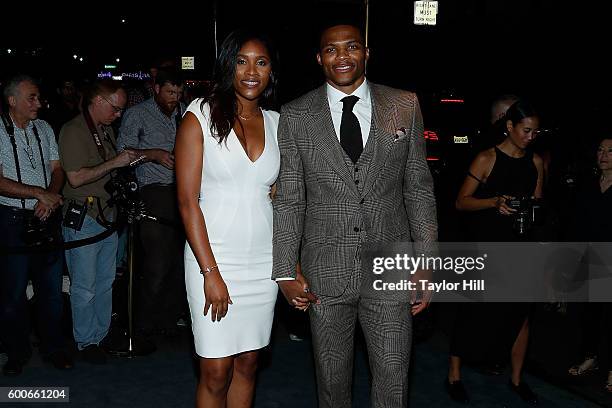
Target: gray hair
point(10, 89)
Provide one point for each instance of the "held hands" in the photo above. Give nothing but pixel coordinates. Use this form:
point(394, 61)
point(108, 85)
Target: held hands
point(297, 292)
point(502, 207)
point(216, 295)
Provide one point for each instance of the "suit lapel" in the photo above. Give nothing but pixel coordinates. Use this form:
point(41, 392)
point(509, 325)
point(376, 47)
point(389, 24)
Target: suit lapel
point(321, 130)
point(382, 130)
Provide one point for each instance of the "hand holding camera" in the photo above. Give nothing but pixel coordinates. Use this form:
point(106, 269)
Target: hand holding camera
point(527, 213)
point(501, 203)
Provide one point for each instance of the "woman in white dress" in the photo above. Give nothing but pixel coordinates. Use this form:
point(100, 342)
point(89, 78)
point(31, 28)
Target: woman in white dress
point(227, 160)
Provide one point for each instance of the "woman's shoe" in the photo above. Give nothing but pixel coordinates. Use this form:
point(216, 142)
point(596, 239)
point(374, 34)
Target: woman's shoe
point(525, 392)
point(456, 391)
point(589, 364)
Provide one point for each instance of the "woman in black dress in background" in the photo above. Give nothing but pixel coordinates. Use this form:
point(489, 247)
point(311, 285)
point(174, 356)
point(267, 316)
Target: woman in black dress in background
point(594, 224)
point(497, 175)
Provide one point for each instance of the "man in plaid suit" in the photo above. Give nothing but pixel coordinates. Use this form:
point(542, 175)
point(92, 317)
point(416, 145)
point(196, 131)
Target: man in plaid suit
point(353, 170)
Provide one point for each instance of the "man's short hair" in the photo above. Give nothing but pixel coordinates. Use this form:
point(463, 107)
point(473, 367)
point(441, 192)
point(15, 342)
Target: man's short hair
point(171, 77)
point(10, 89)
point(335, 14)
point(104, 87)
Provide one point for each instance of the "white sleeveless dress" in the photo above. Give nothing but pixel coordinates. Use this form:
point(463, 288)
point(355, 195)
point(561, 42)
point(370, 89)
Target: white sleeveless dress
point(235, 202)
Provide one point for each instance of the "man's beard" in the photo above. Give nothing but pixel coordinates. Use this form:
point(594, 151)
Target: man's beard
point(167, 109)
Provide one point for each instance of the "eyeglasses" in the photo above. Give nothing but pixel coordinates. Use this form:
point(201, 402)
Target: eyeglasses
point(116, 109)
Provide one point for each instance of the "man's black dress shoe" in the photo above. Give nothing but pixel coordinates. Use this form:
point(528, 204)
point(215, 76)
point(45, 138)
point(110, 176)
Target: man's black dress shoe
point(93, 354)
point(61, 360)
point(457, 391)
point(524, 392)
point(13, 367)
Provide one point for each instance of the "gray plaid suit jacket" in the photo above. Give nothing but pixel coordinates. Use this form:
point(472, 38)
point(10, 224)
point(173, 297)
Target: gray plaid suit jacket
point(322, 216)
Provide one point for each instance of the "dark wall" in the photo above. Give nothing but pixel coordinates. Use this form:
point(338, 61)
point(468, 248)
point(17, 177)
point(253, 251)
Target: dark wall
point(479, 48)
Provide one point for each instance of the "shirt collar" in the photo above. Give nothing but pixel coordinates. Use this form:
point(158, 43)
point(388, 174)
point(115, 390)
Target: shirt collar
point(28, 126)
point(363, 92)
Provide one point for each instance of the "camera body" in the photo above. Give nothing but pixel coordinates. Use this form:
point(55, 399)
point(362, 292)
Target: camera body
point(528, 213)
point(38, 233)
point(124, 191)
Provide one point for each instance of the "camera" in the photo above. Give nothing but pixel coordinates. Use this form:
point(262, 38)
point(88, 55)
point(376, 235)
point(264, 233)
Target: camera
point(124, 191)
point(41, 233)
point(528, 213)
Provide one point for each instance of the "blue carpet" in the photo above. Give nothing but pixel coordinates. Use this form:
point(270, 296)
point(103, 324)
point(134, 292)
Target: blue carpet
point(168, 378)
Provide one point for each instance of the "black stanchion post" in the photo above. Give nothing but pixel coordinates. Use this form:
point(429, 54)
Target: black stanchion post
point(130, 255)
point(136, 345)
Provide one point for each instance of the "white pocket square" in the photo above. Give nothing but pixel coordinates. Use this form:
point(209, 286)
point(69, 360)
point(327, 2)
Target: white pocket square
point(400, 134)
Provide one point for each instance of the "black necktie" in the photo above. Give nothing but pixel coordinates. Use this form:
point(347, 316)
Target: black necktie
point(350, 131)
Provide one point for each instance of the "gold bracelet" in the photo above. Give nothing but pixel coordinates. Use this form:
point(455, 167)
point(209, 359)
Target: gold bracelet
point(208, 269)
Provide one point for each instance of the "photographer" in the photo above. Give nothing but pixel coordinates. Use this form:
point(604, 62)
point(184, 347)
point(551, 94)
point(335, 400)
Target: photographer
point(30, 180)
point(88, 154)
point(503, 175)
point(150, 127)
point(500, 183)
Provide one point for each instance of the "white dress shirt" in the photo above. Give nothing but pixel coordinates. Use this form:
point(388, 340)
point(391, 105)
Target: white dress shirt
point(362, 109)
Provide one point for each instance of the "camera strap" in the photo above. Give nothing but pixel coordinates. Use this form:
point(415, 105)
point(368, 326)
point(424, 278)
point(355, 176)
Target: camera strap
point(10, 130)
point(469, 173)
point(95, 135)
point(101, 219)
point(483, 183)
point(102, 152)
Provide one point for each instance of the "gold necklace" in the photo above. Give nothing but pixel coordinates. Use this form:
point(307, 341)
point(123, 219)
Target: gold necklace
point(249, 118)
